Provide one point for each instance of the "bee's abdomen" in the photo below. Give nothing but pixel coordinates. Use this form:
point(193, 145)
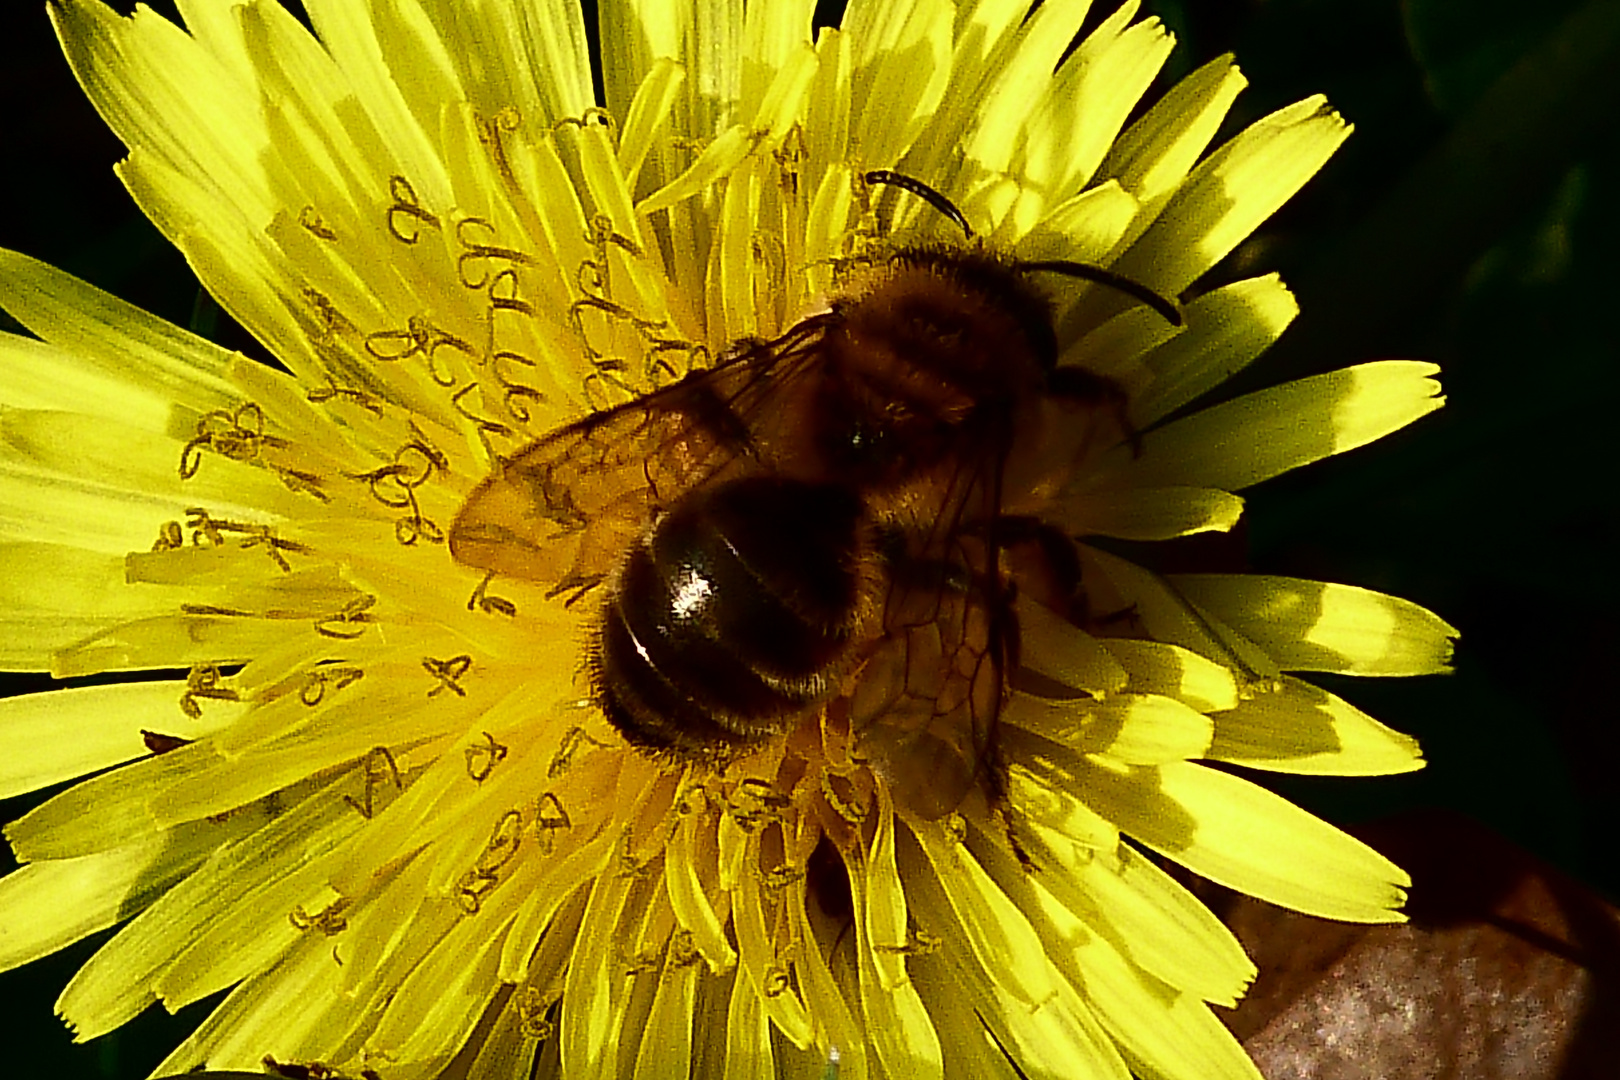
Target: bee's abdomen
point(734, 617)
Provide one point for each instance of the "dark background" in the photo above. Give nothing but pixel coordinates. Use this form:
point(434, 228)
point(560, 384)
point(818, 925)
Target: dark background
point(1472, 219)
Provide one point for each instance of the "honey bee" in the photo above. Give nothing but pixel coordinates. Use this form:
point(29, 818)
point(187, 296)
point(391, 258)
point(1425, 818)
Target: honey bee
point(833, 520)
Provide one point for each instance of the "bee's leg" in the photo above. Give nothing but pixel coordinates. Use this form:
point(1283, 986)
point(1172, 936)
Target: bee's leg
point(1045, 561)
point(1086, 388)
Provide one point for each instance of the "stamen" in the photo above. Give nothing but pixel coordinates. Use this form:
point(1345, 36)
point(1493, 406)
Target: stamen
point(572, 740)
point(449, 673)
point(549, 820)
point(482, 759)
point(379, 765)
point(313, 223)
point(316, 681)
point(407, 205)
point(481, 601)
point(204, 683)
point(236, 435)
point(349, 623)
point(474, 250)
point(330, 920)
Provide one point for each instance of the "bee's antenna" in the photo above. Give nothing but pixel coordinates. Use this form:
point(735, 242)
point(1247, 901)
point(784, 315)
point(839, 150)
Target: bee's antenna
point(1085, 271)
point(923, 192)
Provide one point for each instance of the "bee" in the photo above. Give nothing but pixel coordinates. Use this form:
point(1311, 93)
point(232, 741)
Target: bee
point(829, 523)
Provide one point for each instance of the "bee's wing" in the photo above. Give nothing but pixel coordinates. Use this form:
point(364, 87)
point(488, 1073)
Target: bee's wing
point(564, 510)
point(927, 702)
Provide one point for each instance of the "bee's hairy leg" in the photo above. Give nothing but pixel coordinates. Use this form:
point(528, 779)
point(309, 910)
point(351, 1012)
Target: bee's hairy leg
point(1079, 386)
point(1045, 563)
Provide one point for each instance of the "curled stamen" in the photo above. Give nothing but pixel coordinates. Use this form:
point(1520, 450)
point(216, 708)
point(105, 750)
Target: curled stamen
point(550, 820)
point(406, 206)
point(481, 601)
point(170, 538)
point(572, 740)
point(313, 692)
point(379, 765)
point(478, 252)
point(334, 392)
point(594, 113)
point(350, 622)
point(918, 943)
point(534, 1013)
point(472, 887)
point(492, 132)
point(236, 435)
point(504, 840)
point(204, 684)
point(485, 426)
point(313, 223)
point(482, 758)
point(329, 920)
point(449, 673)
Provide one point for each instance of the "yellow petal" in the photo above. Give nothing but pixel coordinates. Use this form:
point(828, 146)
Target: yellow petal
point(1260, 435)
point(883, 910)
point(837, 1028)
point(1098, 87)
point(901, 55)
point(1156, 668)
point(1226, 329)
point(902, 1033)
point(1060, 650)
point(1298, 728)
point(759, 955)
point(125, 346)
point(1240, 835)
point(1229, 194)
point(951, 885)
point(666, 1037)
point(961, 1029)
point(590, 1030)
point(61, 734)
point(1155, 154)
point(436, 1005)
point(117, 983)
point(1176, 1036)
point(1084, 227)
point(1139, 729)
point(156, 86)
point(551, 890)
point(1168, 616)
point(365, 43)
point(1047, 796)
point(1319, 626)
point(1146, 914)
point(718, 160)
point(50, 905)
point(649, 113)
point(1138, 513)
point(1022, 86)
point(748, 1035)
point(689, 886)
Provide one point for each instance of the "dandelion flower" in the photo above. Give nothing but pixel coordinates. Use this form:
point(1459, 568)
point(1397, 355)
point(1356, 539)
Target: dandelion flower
point(381, 807)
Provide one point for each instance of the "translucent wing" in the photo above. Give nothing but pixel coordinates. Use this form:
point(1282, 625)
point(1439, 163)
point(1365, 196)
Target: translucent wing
point(564, 510)
point(925, 708)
